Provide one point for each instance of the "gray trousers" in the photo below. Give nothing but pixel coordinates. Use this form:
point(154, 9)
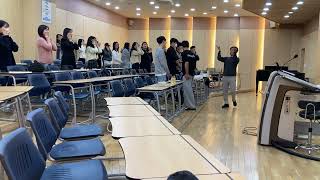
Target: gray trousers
point(229, 81)
point(188, 95)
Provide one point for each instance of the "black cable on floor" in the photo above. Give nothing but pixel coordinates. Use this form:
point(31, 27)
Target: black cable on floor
point(251, 131)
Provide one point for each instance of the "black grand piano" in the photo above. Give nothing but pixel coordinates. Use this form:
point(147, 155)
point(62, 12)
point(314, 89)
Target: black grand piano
point(263, 74)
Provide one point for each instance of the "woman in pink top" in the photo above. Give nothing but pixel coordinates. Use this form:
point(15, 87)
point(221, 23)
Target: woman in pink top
point(45, 45)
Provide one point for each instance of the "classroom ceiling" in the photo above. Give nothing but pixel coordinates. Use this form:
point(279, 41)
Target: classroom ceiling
point(280, 8)
point(192, 8)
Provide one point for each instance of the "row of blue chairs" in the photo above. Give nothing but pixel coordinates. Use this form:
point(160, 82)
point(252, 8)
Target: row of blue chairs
point(23, 161)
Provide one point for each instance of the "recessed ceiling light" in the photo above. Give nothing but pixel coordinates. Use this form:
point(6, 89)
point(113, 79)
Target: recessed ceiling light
point(295, 8)
point(225, 11)
point(268, 4)
point(117, 7)
point(169, 16)
point(300, 2)
point(108, 3)
point(138, 14)
point(264, 13)
point(186, 14)
point(290, 12)
point(177, 5)
point(266, 9)
point(138, 9)
point(192, 9)
point(157, 7)
point(286, 16)
point(151, 2)
point(225, 1)
point(236, 15)
point(237, 5)
point(172, 11)
point(154, 12)
point(214, 7)
point(204, 13)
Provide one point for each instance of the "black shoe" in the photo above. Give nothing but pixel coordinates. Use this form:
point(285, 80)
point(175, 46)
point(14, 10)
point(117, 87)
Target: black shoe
point(191, 109)
point(235, 103)
point(225, 106)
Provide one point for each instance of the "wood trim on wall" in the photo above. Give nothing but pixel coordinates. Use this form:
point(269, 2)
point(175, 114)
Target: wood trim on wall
point(93, 11)
point(231, 23)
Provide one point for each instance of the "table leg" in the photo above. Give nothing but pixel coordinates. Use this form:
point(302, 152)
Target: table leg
point(20, 115)
point(93, 103)
point(179, 97)
point(173, 102)
point(158, 102)
point(74, 120)
point(166, 103)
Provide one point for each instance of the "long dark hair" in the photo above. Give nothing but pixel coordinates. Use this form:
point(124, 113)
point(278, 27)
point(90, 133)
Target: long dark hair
point(126, 46)
point(66, 31)
point(133, 47)
point(41, 29)
point(80, 42)
point(57, 38)
point(90, 41)
point(114, 46)
point(3, 24)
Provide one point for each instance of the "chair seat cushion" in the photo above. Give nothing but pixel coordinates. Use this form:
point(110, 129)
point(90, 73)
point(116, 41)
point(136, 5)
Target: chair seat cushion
point(309, 114)
point(78, 149)
point(81, 131)
point(82, 170)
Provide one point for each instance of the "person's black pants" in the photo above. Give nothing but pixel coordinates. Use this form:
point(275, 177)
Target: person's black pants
point(136, 66)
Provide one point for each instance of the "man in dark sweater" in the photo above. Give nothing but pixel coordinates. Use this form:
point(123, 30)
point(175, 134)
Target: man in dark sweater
point(172, 57)
point(229, 74)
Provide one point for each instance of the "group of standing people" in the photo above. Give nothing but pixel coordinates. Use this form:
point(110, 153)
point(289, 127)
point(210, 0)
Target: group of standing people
point(177, 60)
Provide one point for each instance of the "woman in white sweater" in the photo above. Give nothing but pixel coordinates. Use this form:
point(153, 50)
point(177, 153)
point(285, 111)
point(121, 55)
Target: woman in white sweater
point(116, 55)
point(82, 51)
point(92, 51)
point(136, 53)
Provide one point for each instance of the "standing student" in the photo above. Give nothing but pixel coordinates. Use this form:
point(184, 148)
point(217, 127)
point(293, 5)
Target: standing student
point(160, 62)
point(7, 46)
point(68, 47)
point(194, 51)
point(58, 44)
point(179, 64)
point(116, 55)
point(135, 55)
point(125, 55)
point(146, 58)
point(229, 74)
point(82, 51)
point(45, 45)
point(172, 57)
point(92, 51)
point(107, 55)
point(188, 70)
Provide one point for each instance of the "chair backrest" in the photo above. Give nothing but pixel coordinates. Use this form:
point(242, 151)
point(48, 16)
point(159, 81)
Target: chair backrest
point(77, 75)
point(139, 82)
point(57, 62)
point(58, 118)
point(133, 71)
point(79, 64)
point(53, 67)
point(20, 157)
point(140, 71)
point(44, 131)
point(105, 72)
point(92, 74)
point(130, 89)
point(117, 88)
point(40, 84)
point(27, 61)
point(62, 103)
point(64, 76)
point(126, 72)
point(149, 80)
point(17, 68)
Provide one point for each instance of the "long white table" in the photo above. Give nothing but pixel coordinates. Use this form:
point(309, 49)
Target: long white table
point(132, 111)
point(159, 156)
point(232, 176)
point(112, 101)
point(141, 126)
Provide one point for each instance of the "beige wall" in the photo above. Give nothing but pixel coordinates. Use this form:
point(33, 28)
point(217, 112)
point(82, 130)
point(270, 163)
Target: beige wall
point(138, 31)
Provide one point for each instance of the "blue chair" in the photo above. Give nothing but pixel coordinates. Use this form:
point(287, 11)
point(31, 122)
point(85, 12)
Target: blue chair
point(57, 62)
point(79, 64)
point(46, 138)
point(22, 161)
point(139, 82)
point(20, 78)
point(77, 75)
point(130, 88)
point(28, 62)
point(52, 67)
point(149, 80)
point(62, 102)
point(40, 83)
point(59, 120)
point(117, 89)
point(92, 74)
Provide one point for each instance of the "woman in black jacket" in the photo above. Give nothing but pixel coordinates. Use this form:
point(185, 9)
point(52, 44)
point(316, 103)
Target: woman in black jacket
point(146, 58)
point(7, 46)
point(68, 60)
